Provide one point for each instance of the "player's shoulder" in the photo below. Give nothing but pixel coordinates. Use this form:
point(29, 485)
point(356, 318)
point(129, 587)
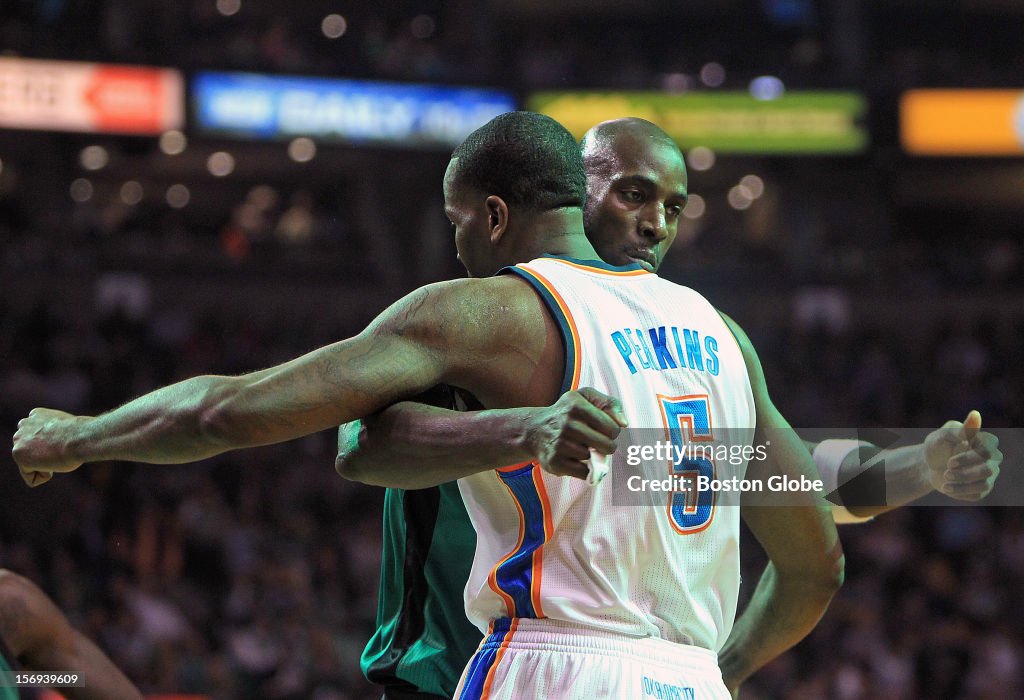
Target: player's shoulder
point(14, 586)
point(472, 291)
point(469, 315)
point(737, 331)
point(750, 357)
point(23, 606)
point(449, 307)
point(505, 298)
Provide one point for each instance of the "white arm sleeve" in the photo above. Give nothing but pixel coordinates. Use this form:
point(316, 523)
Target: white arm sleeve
point(828, 457)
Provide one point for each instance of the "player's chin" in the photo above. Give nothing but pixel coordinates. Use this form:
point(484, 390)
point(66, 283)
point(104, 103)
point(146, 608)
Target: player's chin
point(645, 263)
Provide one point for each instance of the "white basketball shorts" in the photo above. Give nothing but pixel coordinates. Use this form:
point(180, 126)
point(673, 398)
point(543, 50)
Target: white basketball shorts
point(529, 659)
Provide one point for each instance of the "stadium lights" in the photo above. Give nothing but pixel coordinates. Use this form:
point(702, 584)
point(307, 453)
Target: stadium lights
point(229, 7)
point(178, 196)
point(677, 82)
point(767, 87)
point(173, 142)
point(302, 149)
point(701, 158)
point(94, 157)
point(81, 190)
point(712, 74)
point(334, 26)
point(753, 184)
point(131, 193)
point(695, 207)
point(220, 164)
point(739, 198)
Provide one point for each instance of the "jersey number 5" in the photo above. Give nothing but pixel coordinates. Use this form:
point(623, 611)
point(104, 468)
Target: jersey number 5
point(688, 421)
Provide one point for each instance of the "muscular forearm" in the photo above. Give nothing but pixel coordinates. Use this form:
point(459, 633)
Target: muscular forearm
point(412, 445)
point(171, 425)
point(783, 610)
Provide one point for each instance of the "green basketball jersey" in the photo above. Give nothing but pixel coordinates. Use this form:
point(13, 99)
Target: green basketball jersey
point(5, 670)
point(423, 639)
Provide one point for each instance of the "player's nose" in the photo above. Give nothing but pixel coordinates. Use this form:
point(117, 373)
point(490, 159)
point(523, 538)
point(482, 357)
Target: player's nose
point(654, 225)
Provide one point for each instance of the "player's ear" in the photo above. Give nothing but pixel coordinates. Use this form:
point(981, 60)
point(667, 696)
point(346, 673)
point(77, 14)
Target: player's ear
point(497, 218)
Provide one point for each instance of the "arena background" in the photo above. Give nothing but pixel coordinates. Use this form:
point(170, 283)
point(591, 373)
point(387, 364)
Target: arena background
point(882, 288)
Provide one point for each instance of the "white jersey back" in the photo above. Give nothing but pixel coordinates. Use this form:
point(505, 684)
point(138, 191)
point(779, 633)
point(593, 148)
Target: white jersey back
point(612, 556)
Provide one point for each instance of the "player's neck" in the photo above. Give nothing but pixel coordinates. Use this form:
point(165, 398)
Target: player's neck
point(557, 232)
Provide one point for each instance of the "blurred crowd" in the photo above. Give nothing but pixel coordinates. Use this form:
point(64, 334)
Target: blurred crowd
point(926, 612)
point(251, 575)
point(810, 43)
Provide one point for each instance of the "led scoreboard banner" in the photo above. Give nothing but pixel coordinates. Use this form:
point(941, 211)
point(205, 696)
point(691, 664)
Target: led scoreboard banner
point(263, 106)
point(729, 122)
point(962, 122)
point(90, 97)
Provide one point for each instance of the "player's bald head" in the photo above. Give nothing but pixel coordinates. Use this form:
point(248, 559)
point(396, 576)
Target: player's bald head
point(636, 191)
point(603, 144)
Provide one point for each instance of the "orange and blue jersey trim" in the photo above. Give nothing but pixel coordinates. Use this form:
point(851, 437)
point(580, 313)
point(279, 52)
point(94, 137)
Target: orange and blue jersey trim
point(601, 267)
point(517, 578)
point(484, 663)
point(563, 317)
point(560, 310)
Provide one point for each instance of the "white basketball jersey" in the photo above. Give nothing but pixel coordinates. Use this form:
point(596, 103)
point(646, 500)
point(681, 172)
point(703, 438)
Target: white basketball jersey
point(632, 561)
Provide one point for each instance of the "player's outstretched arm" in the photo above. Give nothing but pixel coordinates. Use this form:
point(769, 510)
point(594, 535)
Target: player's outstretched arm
point(416, 343)
point(958, 460)
point(444, 445)
point(806, 560)
point(43, 640)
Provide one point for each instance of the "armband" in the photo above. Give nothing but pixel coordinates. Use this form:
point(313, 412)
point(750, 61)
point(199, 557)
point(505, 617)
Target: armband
point(828, 457)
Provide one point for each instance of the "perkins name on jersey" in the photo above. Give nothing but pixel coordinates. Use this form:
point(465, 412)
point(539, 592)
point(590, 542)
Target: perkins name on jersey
point(664, 348)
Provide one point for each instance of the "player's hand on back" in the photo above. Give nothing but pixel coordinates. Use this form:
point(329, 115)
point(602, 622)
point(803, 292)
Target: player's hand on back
point(40, 445)
point(963, 462)
point(561, 435)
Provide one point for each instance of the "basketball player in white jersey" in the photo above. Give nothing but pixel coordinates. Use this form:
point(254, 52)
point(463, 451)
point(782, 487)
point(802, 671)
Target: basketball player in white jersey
point(514, 191)
point(632, 211)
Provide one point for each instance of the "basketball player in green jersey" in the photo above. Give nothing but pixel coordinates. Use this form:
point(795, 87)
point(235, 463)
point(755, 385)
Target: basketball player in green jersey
point(423, 639)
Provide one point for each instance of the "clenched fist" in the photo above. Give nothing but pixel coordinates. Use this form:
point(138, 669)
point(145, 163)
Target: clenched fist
point(41, 445)
point(563, 434)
